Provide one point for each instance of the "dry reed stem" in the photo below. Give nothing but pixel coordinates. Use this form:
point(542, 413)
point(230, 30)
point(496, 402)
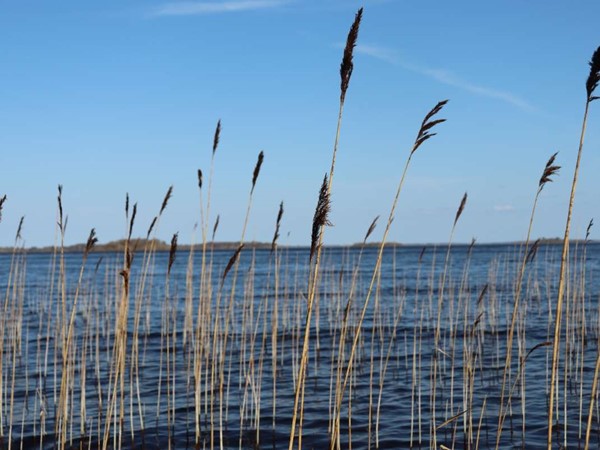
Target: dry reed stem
point(591, 84)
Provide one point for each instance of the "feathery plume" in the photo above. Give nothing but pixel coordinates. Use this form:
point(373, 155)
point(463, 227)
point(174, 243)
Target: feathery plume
point(19, 229)
point(2, 200)
point(199, 179)
point(589, 228)
point(532, 251)
point(463, 202)
point(371, 229)
point(127, 205)
point(231, 262)
point(549, 171)
point(594, 77)
point(347, 65)
point(131, 222)
point(215, 227)
point(166, 200)
point(320, 218)
point(98, 264)
point(423, 250)
point(91, 241)
point(151, 227)
point(482, 294)
point(172, 252)
point(424, 132)
point(261, 157)
point(277, 225)
point(217, 137)
point(60, 209)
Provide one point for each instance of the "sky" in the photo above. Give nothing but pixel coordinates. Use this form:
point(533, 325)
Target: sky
point(116, 97)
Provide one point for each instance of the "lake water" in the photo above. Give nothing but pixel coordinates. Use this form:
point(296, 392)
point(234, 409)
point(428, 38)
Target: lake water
point(229, 337)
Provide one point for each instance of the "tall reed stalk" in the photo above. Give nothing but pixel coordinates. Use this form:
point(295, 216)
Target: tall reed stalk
point(424, 134)
point(591, 84)
point(549, 170)
point(320, 220)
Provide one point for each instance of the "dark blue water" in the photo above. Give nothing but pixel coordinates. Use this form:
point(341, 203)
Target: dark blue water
point(387, 403)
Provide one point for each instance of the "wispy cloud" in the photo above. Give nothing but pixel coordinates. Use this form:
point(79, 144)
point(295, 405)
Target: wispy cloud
point(444, 76)
point(504, 208)
point(214, 7)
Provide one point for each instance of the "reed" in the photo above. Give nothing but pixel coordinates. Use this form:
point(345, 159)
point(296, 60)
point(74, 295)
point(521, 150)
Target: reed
point(591, 84)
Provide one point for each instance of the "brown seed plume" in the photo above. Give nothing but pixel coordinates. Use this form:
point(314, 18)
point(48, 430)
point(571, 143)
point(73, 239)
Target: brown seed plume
point(2, 200)
point(166, 200)
point(277, 226)
point(347, 65)
point(151, 227)
point(320, 218)
point(215, 227)
point(589, 228)
point(172, 252)
point(19, 229)
point(427, 124)
point(532, 251)
point(217, 137)
point(549, 171)
point(482, 294)
point(423, 250)
point(127, 205)
point(91, 241)
point(261, 157)
point(594, 77)
point(60, 209)
point(132, 221)
point(463, 202)
point(371, 229)
point(199, 179)
point(231, 262)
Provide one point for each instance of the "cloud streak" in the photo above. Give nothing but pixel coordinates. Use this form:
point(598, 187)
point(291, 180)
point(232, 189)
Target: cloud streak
point(444, 76)
point(214, 7)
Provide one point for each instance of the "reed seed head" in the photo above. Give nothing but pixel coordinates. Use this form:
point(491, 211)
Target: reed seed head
point(277, 226)
point(594, 77)
point(215, 227)
point(532, 251)
point(231, 262)
point(589, 228)
point(151, 227)
point(427, 124)
point(91, 241)
point(172, 252)
point(2, 201)
point(461, 207)
point(217, 137)
point(166, 200)
point(60, 208)
point(549, 171)
point(261, 157)
point(347, 65)
point(321, 217)
point(199, 179)
point(19, 229)
point(371, 229)
point(127, 205)
point(132, 221)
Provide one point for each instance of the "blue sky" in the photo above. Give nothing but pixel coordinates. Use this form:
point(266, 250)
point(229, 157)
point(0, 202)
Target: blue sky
point(114, 97)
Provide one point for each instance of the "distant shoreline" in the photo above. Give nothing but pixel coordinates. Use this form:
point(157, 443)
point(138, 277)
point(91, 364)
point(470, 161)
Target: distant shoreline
point(160, 246)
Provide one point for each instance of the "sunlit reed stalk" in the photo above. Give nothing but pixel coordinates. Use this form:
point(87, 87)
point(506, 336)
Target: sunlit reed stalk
point(549, 171)
point(319, 222)
point(436, 339)
point(591, 84)
point(423, 135)
point(234, 264)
